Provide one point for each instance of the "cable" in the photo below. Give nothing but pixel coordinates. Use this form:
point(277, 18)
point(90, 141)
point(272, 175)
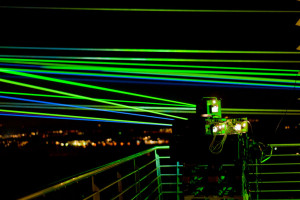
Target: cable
point(218, 147)
point(287, 105)
point(271, 153)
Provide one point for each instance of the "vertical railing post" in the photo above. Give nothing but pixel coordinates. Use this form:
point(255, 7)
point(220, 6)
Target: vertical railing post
point(256, 177)
point(159, 182)
point(245, 193)
point(177, 181)
point(120, 185)
point(95, 189)
point(137, 179)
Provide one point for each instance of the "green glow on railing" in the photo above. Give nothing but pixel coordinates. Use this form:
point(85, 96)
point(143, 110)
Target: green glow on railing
point(155, 189)
point(69, 97)
point(89, 86)
point(150, 10)
point(150, 50)
point(144, 188)
point(274, 164)
point(10, 58)
point(276, 191)
point(89, 173)
point(80, 96)
point(285, 145)
point(267, 182)
point(123, 177)
point(71, 66)
point(274, 173)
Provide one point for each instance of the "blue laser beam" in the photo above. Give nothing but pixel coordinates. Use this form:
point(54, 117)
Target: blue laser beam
point(82, 107)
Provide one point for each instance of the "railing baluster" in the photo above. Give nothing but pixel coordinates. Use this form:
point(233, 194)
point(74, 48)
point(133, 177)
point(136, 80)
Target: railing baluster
point(158, 175)
point(141, 193)
point(95, 189)
point(177, 181)
point(137, 179)
point(120, 186)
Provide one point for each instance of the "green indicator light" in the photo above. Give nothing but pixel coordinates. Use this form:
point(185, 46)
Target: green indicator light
point(82, 97)
point(151, 50)
point(80, 117)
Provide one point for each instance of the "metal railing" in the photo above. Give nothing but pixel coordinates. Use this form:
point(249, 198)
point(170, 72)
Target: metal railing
point(144, 175)
point(279, 177)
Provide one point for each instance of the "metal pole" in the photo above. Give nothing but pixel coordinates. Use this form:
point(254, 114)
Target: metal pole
point(256, 170)
point(159, 182)
point(177, 181)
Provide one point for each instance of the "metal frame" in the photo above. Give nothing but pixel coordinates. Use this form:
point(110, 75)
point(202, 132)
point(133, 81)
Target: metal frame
point(257, 171)
point(139, 193)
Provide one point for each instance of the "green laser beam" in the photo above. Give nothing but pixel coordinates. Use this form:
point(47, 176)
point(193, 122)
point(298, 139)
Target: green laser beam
point(69, 97)
point(90, 86)
point(174, 72)
point(151, 50)
point(152, 108)
point(80, 117)
point(104, 106)
point(139, 95)
point(80, 96)
point(150, 10)
point(68, 108)
point(155, 72)
point(56, 63)
point(18, 57)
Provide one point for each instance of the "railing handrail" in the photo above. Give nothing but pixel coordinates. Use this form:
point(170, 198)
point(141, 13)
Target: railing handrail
point(285, 145)
point(91, 173)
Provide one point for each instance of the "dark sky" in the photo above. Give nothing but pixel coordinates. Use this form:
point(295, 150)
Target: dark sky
point(164, 30)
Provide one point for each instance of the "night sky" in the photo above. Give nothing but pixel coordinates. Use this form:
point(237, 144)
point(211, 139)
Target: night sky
point(160, 30)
